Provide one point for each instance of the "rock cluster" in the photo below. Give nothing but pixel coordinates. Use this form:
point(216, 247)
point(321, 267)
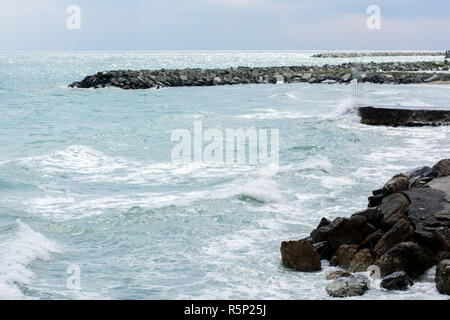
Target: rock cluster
point(404, 231)
point(377, 54)
point(393, 72)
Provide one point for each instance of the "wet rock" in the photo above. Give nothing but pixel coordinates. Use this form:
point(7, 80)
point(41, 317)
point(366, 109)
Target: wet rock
point(422, 172)
point(375, 200)
point(371, 240)
point(372, 215)
point(323, 249)
point(397, 281)
point(429, 213)
point(338, 274)
point(403, 117)
point(442, 277)
point(348, 287)
point(300, 255)
point(405, 256)
point(348, 231)
point(345, 254)
point(321, 232)
point(396, 184)
point(402, 231)
point(443, 167)
point(361, 261)
point(393, 208)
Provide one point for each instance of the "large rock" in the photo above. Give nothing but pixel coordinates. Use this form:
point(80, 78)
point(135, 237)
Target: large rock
point(348, 231)
point(348, 287)
point(300, 255)
point(393, 208)
point(396, 281)
point(405, 256)
point(396, 184)
point(443, 277)
point(429, 213)
point(321, 232)
point(361, 261)
point(443, 167)
point(324, 250)
point(371, 240)
point(401, 231)
point(372, 215)
point(345, 254)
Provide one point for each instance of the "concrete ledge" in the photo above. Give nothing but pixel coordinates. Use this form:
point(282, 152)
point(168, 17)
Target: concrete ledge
point(403, 117)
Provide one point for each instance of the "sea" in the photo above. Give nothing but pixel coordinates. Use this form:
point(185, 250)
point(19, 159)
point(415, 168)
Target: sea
point(93, 205)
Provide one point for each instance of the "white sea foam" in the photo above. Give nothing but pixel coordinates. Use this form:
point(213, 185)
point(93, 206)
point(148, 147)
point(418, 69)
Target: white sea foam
point(16, 253)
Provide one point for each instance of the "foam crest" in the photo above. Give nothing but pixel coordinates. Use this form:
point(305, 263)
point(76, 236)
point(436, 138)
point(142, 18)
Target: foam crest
point(17, 252)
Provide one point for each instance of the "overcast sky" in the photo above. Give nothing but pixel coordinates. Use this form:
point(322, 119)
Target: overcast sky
point(224, 25)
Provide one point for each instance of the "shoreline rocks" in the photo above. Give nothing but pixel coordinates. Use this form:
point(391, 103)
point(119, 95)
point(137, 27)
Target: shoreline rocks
point(403, 235)
point(391, 72)
point(378, 54)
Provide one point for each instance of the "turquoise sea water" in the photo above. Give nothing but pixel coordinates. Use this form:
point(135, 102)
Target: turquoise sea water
point(87, 181)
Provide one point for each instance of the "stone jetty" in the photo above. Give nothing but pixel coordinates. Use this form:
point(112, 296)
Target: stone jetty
point(392, 72)
point(403, 117)
point(404, 231)
point(378, 54)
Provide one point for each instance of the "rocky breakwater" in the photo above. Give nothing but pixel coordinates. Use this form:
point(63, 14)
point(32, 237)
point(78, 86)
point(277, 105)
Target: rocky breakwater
point(396, 73)
point(403, 117)
point(378, 54)
point(404, 231)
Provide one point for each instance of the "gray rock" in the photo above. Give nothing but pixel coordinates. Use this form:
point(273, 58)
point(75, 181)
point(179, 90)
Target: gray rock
point(348, 287)
point(429, 213)
point(397, 281)
point(432, 78)
point(443, 277)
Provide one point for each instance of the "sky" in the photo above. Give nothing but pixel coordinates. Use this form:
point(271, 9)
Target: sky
point(128, 25)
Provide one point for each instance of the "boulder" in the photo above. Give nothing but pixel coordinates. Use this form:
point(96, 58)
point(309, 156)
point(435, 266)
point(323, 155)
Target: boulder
point(443, 277)
point(300, 255)
point(443, 167)
point(401, 231)
point(371, 240)
point(323, 249)
point(393, 208)
point(429, 213)
point(396, 281)
point(405, 256)
point(361, 261)
point(321, 232)
point(338, 274)
point(422, 172)
point(396, 184)
point(348, 287)
point(372, 215)
point(345, 254)
point(348, 231)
